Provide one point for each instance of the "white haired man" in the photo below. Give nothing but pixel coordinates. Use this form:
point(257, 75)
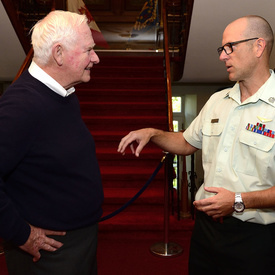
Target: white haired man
point(50, 184)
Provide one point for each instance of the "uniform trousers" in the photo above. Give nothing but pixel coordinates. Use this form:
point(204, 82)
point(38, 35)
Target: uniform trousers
point(231, 246)
point(77, 256)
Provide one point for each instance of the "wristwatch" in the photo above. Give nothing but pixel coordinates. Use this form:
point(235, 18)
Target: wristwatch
point(238, 205)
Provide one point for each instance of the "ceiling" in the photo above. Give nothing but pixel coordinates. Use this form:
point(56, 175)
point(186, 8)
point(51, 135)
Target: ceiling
point(209, 20)
point(202, 65)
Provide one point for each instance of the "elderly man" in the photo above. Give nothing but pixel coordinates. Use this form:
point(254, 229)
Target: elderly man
point(235, 221)
point(50, 184)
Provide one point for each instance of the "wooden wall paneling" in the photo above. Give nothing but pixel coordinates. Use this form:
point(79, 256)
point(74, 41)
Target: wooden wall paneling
point(99, 5)
point(133, 5)
point(115, 11)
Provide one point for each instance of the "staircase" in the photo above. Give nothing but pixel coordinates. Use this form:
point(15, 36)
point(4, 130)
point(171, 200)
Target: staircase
point(127, 93)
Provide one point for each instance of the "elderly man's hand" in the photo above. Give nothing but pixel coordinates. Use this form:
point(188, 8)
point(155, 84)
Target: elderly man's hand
point(38, 240)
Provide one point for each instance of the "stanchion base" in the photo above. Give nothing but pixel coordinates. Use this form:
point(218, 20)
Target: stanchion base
point(166, 249)
point(185, 215)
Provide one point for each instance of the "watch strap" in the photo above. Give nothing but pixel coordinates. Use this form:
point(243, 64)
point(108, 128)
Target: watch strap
point(238, 197)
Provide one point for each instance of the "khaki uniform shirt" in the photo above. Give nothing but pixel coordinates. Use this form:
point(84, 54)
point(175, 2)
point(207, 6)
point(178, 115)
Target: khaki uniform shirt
point(237, 141)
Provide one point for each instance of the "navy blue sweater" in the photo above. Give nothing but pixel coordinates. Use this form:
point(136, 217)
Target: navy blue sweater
point(49, 174)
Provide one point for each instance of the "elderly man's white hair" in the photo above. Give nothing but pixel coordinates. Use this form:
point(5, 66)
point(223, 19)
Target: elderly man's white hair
point(57, 27)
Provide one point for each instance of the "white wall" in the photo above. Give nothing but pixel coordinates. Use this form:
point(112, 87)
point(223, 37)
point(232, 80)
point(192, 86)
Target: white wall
point(12, 54)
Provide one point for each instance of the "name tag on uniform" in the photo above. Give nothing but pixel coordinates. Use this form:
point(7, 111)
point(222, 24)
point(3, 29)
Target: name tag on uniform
point(214, 120)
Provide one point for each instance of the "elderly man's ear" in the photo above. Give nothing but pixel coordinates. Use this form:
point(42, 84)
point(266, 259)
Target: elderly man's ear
point(57, 52)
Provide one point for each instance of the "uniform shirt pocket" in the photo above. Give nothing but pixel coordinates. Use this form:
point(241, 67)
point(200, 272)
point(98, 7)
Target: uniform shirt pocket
point(255, 153)
point(211, 135)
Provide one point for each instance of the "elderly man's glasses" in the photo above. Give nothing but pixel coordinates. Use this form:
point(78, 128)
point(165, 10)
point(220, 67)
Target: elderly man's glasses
point(228, 47)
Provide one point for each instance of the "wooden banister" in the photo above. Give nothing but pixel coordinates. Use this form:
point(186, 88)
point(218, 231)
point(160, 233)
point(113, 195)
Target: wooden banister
point(25, 64)
point(17, 25)
point(168, 73)
point(55, 4)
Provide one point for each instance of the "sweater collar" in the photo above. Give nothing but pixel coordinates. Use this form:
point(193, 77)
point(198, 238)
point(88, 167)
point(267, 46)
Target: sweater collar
point(43, 77)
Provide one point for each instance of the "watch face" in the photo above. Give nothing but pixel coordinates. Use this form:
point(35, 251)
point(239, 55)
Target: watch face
point(239, 207)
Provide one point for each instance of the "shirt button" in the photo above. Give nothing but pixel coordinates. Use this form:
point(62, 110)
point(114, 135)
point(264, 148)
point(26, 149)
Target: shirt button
point(225, 149)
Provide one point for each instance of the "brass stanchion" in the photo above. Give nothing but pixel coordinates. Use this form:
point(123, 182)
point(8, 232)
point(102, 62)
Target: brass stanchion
point(166, 248)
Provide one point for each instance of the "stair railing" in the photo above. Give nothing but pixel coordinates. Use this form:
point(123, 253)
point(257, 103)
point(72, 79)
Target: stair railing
point(168, 72)
point(185, 31)
point(17, 24)
point(179, 14)
point(25, 64)
point(19, 29)
point(167, 248)
point(186, 22)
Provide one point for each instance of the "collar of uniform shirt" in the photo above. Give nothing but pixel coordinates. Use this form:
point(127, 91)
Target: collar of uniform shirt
point(42, 76)
point(266, 96)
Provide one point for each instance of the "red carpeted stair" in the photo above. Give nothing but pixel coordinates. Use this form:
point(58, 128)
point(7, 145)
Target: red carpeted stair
point(128, 93)
point(124, 94)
